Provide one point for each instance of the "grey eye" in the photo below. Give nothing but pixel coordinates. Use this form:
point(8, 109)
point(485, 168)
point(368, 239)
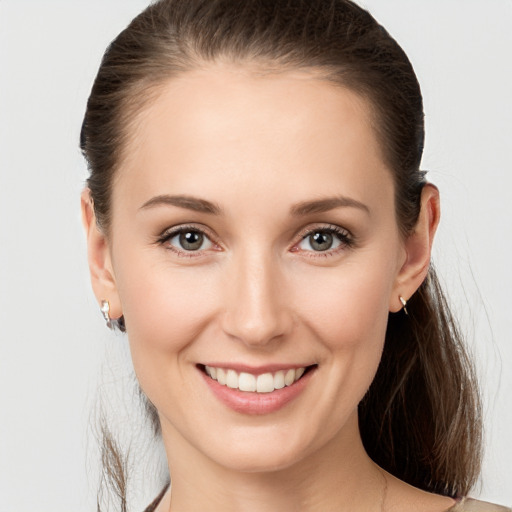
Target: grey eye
point(190, 240)
point(321, 241)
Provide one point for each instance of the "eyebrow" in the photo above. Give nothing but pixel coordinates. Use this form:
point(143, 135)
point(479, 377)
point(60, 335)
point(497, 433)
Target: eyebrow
point(188, 202)
point(326, 204)
point(298, 210)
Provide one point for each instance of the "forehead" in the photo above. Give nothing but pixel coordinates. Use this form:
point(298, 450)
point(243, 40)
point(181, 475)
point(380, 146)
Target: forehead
point(232, 128)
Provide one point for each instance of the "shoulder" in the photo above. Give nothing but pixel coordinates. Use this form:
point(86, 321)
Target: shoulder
point(470, 505)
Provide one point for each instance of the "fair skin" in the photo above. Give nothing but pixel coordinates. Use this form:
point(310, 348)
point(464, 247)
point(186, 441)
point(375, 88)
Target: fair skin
point(268, 279)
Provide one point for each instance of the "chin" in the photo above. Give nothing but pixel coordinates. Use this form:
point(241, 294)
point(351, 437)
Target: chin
point(260, 454)
point(259, 462)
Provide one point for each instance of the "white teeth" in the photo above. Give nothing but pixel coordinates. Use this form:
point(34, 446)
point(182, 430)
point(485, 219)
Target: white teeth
point(221, 376)
point(279, 379)
point(264, 383)
point(289, 377)
point(246, 382)
point(232, 379)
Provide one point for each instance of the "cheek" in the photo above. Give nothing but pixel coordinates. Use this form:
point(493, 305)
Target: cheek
point(348, 307)
point(165, 308)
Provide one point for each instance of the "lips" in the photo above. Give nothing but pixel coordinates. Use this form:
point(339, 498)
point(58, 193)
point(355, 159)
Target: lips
point(252, 391)
point(262, 383)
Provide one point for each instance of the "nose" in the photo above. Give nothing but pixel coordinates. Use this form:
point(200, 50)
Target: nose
point(255, 307)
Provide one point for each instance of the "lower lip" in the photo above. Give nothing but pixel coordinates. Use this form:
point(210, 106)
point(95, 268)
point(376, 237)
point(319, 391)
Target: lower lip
point(257, 403)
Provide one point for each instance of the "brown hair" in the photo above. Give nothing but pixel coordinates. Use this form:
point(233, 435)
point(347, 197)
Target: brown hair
point(420, 420)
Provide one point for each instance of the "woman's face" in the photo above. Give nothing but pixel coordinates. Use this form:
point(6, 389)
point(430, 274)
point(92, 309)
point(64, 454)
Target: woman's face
point(254, 232)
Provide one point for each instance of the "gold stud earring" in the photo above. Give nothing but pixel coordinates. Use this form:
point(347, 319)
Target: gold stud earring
point(105, 311)
point(404, 304)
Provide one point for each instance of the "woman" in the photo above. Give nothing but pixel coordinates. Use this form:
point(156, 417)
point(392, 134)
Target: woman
point(258, 224)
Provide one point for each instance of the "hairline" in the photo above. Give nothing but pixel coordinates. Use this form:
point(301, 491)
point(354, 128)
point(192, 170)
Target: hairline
point(140, 95)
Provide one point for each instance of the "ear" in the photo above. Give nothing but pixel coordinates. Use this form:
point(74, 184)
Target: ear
point(418, 248)
point(99, 257)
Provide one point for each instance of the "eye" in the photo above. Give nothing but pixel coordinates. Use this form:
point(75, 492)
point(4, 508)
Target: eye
point(324, 240)
point(190, 241)
point(319, 241)
point(186, 239)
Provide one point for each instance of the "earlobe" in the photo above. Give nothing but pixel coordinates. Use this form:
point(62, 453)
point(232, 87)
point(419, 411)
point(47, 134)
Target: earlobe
point(418, 248)
point(99, 258)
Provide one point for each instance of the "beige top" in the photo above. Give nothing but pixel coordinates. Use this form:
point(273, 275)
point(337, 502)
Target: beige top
point(470, 505)
point(465, 505)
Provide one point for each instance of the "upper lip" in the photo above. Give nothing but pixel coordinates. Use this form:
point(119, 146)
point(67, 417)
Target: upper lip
point(256, 370)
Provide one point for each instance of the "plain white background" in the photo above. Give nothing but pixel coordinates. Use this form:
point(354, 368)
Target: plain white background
point(51, 335)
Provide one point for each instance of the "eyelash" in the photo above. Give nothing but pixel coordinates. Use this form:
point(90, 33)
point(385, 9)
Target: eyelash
point(169, 234)
point(345, 238)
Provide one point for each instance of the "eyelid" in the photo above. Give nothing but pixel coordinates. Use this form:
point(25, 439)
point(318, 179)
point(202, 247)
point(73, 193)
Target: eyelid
point(322, 227)
point(171, 232)
point(346, 238)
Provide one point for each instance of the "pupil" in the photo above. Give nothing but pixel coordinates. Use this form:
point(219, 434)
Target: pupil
point(191, 241)
point(321, 241)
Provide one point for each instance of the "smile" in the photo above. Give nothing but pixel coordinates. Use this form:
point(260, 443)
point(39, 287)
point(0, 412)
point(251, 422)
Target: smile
point(263, 383)
point(256, 392)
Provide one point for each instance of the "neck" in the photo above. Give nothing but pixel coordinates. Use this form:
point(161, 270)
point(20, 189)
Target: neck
point(340, 476)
